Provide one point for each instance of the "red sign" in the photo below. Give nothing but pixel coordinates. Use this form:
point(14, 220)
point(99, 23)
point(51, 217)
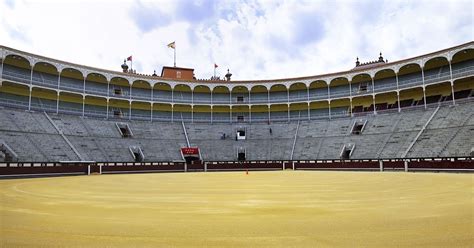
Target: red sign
point(190, 151)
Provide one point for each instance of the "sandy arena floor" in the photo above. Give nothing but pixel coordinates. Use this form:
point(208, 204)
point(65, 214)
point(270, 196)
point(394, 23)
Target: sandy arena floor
point(262, 209)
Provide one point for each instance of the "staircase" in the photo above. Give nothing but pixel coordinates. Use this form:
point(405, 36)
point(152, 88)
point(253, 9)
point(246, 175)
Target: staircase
point(8, 154)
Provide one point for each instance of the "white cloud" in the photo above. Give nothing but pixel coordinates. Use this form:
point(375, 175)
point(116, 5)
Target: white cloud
point(255, 39)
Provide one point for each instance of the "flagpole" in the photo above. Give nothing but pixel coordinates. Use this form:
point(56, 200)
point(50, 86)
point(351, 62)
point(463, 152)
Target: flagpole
point(174, 48)
point(214, 71)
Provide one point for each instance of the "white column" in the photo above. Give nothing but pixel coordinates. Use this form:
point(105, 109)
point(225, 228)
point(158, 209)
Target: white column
point(307, 93)
point(151, 111)
point(84, 96)
point(31, 88)
point(350, 95)
point(351, 105)
point(329, 102)
point(211, 113)
point(230, 111)
point(398, 92)
point(83, 104)
point(309, 111)
point(172, 104)
point(129, 110)
point(329, 108)
point(269, 116)
point(288, 107)
point(373, 94)
point(107, 114)
point(452, 82)
point(151, 105)
point(57, 103)
point(212, 101)
point(406, 166)
point(250, 113)
point(288, 103)
point(192, 113)
point(423, 80)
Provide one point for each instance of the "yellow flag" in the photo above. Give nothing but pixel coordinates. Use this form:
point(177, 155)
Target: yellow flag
point(172, 45)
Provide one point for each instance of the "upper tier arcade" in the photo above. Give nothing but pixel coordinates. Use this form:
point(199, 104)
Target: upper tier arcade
point(36, 82)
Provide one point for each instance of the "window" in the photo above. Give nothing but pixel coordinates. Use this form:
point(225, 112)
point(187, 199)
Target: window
point(178, 74)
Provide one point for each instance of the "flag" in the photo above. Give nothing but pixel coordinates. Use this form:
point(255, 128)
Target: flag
point(215, 65)
point(129, 58)
point(172, 45)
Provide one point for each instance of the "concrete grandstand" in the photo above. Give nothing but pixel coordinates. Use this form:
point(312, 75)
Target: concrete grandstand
point(378, 115)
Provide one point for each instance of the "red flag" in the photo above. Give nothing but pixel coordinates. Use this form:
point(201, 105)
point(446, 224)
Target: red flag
point(129, 58)
point(215, 66)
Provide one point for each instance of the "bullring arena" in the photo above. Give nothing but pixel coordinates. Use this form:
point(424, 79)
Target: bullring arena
point(376, 156)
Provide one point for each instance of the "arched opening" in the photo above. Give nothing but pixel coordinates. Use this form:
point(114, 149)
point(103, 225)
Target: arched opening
point(436, 70)
point(318, 90)
point(119, 109)
point(119, 87)
point(278, 94)
point(240, 94)
point(14, 95)
point(298, 92)
point(361, 104)
point(45, 74)
point(141, 110)
point(44, 99)
point(340, 107)
point(409, 76)
point(361, 84)
point(385, 80)
point(259, 113)
point(411, 97)
point(182, 112)
point(339, 87)
point(70, 103)
point(462, 63)
point(259, 94)
point(95, 106)
point(202, 113)
point(386, 101)
point(240, 113)
point(96, 84)
point(463, 88)
point(438, 92)
point(182, 93)
point(141, 89)
point(220, 95)
point(298, 111)
point(162, 111)
point(162, 92)
point(202, 94)
point(71, 80)
point(319, 110)
point(279, 112)
point(17, 69)
point(221, 114)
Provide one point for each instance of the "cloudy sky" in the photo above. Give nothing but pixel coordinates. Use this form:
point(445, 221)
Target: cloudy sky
point(255, 39)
